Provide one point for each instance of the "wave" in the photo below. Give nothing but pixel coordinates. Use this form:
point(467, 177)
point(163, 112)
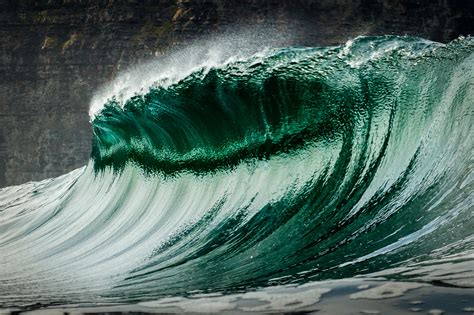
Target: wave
point(287, 166)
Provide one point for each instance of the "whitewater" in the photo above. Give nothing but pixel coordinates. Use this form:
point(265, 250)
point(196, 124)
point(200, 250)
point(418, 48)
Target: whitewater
point(282, 171)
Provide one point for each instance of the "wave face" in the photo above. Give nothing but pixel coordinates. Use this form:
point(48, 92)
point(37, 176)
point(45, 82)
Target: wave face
point(289, 166)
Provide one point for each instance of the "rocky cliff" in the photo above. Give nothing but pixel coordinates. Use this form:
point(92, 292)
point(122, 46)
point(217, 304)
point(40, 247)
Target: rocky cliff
point(55, 53)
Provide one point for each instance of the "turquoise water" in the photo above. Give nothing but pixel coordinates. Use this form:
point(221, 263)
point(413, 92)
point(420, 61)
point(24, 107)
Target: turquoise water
point(289, 166)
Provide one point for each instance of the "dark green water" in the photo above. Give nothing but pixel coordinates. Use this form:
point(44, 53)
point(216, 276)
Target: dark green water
point(290, 166)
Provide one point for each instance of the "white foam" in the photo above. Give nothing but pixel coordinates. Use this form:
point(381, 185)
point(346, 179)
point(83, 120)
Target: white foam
point(279, 298)
point(387, 290)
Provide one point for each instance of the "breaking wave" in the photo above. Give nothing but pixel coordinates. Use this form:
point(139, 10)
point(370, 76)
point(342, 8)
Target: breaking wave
point(288, 166)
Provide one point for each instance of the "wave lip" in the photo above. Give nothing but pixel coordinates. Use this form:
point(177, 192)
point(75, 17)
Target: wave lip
point(289, 166)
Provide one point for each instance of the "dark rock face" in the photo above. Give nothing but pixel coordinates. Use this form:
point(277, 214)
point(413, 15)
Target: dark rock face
point(55, 53)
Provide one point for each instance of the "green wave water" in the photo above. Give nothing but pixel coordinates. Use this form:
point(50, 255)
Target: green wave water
point(290, 166)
